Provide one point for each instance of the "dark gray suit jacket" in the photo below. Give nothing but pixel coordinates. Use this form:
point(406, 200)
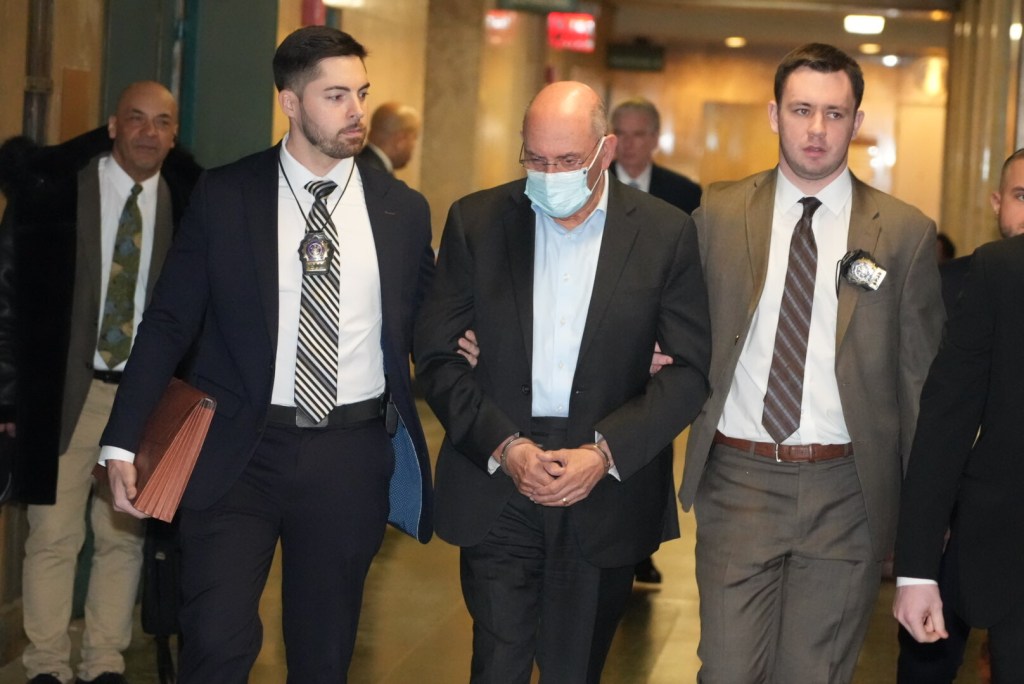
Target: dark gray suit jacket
point(648, 287)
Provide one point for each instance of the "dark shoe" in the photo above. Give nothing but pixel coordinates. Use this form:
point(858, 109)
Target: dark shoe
point(44, 679)
point(646, 572)
point(105, 678)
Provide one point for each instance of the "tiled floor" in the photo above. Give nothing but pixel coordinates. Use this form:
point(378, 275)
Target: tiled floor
point(415, 630)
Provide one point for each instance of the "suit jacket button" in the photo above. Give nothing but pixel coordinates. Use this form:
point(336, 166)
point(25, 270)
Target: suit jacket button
point(525, 389)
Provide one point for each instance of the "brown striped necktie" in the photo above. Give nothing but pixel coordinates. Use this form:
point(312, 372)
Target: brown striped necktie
point(785, 391)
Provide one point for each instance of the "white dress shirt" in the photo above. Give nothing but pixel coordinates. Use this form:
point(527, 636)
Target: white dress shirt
point(360, 359)
point(115, 188)
point(641, 182)
point(564, 271)
point(821, 412)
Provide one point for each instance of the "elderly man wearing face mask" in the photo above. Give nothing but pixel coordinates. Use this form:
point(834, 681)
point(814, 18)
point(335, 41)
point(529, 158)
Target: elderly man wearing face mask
point(555, 476)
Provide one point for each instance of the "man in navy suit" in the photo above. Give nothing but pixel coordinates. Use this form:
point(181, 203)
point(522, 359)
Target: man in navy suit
point(966, 458)
point(637, 125)
point(314, 426)
point(937, 662)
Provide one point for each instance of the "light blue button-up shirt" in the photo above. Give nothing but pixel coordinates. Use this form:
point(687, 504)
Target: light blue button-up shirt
point(564, 269)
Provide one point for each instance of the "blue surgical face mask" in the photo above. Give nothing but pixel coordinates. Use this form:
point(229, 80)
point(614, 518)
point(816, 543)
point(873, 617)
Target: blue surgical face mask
point(561, 194)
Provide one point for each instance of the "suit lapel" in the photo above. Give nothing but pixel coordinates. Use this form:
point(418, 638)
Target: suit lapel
point(865, 227)
point(383, 226)
point(260, 206)
point(88, 235)
point(163, 231)
point(620, 231)
point(519, 224)
point(759, 218)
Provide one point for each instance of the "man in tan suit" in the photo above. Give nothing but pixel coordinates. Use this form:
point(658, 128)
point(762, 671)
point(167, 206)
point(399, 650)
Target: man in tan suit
point(794, 465)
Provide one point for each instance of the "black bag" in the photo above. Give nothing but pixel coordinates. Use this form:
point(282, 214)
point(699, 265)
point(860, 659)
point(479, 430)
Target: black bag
point(161, 591)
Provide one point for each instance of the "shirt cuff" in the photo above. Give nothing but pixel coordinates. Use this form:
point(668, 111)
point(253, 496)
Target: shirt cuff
point(910, 581)
point(113, 453)
point(614, 470)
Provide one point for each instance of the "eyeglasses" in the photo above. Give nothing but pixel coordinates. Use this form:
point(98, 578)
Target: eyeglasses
point(568, 162)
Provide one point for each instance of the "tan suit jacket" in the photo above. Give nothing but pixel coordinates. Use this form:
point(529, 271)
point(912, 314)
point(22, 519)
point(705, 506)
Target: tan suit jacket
point(885, 339)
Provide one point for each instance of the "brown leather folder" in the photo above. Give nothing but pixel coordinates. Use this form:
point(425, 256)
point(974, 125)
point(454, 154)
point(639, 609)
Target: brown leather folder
point(170, 445)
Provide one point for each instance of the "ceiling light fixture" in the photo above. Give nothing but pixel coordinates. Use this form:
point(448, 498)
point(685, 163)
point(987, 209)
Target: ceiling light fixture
point(890, 60)
point(735, 42)
point(870, 48)
point(865, 24)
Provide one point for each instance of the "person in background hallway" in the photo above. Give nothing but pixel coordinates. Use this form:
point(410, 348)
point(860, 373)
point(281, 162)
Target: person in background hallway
point(83, 241)
point(945, 250)
point(315, 422)
point(555, 475)
point(793, 467)
point(394, 130)
point(937, 662)
point(637, 124)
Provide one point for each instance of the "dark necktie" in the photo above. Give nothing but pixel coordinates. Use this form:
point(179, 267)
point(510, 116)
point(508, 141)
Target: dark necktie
point(316, 361)
point(115, 339)
point(786, 379)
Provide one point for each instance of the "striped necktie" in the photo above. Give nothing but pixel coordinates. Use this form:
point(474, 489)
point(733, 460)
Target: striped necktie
point(316, 362)
point(785, 392)
point(115, 339)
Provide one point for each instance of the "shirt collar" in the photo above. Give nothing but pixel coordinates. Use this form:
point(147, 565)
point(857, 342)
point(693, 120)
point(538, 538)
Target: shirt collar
point(298, 175)
point(643, 180)
point(122, 182)
point(833, 196)
point(382, 156)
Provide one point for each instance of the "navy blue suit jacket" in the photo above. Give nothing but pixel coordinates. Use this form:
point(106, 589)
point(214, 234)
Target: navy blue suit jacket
point(220, 283)
point(674, 188)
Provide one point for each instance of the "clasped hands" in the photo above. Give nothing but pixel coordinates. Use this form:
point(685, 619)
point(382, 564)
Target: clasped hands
point(553, 478)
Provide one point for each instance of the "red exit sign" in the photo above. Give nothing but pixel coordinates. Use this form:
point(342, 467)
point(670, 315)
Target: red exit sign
point(571, 31)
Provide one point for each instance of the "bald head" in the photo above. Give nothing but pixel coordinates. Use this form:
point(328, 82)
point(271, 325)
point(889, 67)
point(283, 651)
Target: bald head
point(143, 128)
point(567, 104)
point(395, 128)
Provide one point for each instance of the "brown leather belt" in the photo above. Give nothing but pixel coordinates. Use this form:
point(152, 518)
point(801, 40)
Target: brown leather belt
point(787, 453)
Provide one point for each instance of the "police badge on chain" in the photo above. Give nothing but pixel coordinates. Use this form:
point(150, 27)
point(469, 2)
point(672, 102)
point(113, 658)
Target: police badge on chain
point(316, 251)
point(860, 269)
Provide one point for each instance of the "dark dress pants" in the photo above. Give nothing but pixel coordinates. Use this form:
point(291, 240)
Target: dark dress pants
point(1006, 647)
point(324, 494)
point(532, 595)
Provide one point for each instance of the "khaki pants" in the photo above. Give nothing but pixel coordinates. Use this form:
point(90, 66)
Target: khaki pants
point(56, 535)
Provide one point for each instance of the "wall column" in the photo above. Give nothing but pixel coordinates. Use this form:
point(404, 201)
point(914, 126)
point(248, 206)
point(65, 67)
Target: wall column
point(980, 127)
point(455, 39)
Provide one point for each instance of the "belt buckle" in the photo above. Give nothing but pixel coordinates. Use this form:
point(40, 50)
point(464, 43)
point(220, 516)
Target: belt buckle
point(777, 459)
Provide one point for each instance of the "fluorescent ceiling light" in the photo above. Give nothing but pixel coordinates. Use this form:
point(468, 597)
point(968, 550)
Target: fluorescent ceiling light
point(1015, 31)
point(866, 24)
point(735, 41)
point(890, 60)
point(344, 3)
